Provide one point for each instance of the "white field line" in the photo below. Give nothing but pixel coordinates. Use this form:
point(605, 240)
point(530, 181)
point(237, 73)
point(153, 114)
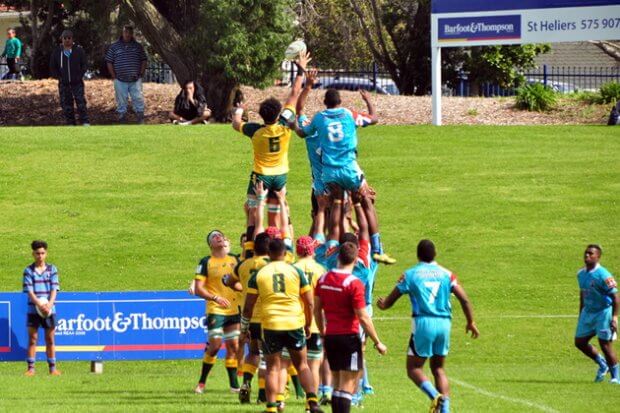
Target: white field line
point(515, 400)
point(575, 316)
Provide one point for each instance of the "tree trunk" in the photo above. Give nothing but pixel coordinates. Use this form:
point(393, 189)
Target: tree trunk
point(611, 48)
point(220, 93)
point(162, 36)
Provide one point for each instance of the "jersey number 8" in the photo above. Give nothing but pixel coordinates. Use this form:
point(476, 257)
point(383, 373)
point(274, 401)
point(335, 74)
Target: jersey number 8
point(335, 132)
point(274, 144)
point(278, 283)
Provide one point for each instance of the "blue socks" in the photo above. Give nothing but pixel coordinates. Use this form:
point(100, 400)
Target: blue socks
point(445, 408)
point(428, 389)
point(375, 243)
point(615, 370)
point(52, 364)
point(365, 380)
point(30, 362)
point(600, 360)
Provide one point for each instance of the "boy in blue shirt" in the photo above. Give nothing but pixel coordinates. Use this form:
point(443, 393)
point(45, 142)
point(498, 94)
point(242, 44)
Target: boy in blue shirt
point(41, 282)
point(429, 286)
point(598, 313)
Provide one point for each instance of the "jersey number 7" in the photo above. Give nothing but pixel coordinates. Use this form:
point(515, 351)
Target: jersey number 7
point(433, 286)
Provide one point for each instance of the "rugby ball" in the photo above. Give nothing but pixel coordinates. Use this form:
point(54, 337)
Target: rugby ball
point(42, 300)
point(294, 49)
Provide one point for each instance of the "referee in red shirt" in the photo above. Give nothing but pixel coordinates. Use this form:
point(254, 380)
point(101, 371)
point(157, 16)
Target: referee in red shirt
point(339, 295)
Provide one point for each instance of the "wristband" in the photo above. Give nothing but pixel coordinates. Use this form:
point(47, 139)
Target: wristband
point(214, 298)
point(337, 201)
point(357, 205)
point(245, 324)
point(261, 197)
point(239, 111)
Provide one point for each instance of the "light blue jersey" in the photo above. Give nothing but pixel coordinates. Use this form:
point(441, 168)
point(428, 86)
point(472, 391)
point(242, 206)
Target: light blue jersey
point(337, 130)
point(429, 287)
point(597, 287)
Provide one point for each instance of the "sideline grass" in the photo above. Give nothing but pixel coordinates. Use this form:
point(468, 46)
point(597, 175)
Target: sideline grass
point(510, 208)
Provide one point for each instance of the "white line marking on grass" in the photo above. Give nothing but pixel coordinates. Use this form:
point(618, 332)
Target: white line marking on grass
point(575, 316)
point(487, 393)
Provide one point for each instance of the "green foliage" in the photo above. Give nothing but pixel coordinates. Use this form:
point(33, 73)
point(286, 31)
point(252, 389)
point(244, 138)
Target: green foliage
point(502, 64)
point(536, 97)
point(243, 41)
point(610, 92)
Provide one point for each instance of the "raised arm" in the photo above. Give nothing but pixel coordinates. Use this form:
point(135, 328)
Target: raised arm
point(237, 119)
point(284, 217)
point(461, 295)
point(362, 221)
point(259, 211)
point(372, 112)
point(302, 63)
point(310, 80)
point(336, 212)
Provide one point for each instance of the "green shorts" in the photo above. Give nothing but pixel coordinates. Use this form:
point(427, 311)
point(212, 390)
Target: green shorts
point(275, 341)
point(271, 182)
point(315, 348)
point(217, 322)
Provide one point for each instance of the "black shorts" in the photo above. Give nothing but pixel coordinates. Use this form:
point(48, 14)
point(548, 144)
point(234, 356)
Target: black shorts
point(256, 332)
point(344, 352)
point(275, 341)
point(36, 321)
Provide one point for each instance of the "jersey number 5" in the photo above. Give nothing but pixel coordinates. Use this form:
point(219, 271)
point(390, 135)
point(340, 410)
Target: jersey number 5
point(278, 283)
point(434, 287)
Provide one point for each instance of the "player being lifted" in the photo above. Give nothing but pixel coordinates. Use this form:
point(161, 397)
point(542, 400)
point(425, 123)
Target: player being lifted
point(285, 321)
point(429, 286)
point(337, 131)
point(598, 313)
point(222, 307)
point(270, 141)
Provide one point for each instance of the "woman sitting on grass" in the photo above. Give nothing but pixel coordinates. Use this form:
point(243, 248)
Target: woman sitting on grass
point(190, 106)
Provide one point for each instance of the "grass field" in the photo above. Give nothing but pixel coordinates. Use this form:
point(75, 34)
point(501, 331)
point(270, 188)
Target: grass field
point(511, 210)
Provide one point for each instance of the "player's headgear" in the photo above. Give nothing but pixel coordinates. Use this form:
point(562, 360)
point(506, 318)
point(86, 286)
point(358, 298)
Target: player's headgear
point(332, 98)
point(426, 250)
point(305, 246)
point(211, 235)
point(274, 232)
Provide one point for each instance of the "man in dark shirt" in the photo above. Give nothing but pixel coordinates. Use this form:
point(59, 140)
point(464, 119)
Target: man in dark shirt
point(68, 65)
point(126, 61)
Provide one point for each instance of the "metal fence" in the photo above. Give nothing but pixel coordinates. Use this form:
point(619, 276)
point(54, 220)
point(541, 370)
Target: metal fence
point(560, 79)
point(159, 73)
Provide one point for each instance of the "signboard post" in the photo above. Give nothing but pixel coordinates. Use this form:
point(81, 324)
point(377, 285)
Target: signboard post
point(458, 23)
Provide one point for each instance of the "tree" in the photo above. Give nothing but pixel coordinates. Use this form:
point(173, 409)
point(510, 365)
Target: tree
point(223, 44)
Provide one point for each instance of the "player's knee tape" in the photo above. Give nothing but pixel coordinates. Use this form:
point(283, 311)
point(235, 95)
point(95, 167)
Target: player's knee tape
point(216, 332)
point(314, 355)
point(231, 363)
point(285, 354)
point(252, 203)
point(274, 209)
point(231, 335)
point(209, 359)
point(292, 370)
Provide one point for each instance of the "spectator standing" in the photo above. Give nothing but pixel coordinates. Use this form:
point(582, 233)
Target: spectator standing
point(68, 65)
point(12, 52)
point(190, 105)
point(126, 61)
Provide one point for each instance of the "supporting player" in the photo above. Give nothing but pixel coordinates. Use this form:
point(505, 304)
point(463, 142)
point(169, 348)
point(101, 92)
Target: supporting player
point(270, 141)
point(41, 281)
point(244, 272)
point(337, 132)
point(598, 314)
point(429, 287)
point(222, 308)
point(286, 323)
point(340, 299)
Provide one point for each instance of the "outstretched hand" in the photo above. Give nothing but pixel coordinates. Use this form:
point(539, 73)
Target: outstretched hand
point(365, 95)
point(303, 60)
point(311, 77)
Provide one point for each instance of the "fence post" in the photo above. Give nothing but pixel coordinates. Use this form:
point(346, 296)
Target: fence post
point(545, 75)
point(375, 70)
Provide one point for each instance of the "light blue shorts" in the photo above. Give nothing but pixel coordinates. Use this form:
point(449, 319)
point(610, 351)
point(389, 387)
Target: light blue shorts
point(348, 177)
point(318, 186)
point(430, 336)
point(591, 324)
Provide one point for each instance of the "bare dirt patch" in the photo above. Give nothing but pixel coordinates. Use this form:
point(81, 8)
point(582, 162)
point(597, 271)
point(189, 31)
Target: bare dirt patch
point(35, 103)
